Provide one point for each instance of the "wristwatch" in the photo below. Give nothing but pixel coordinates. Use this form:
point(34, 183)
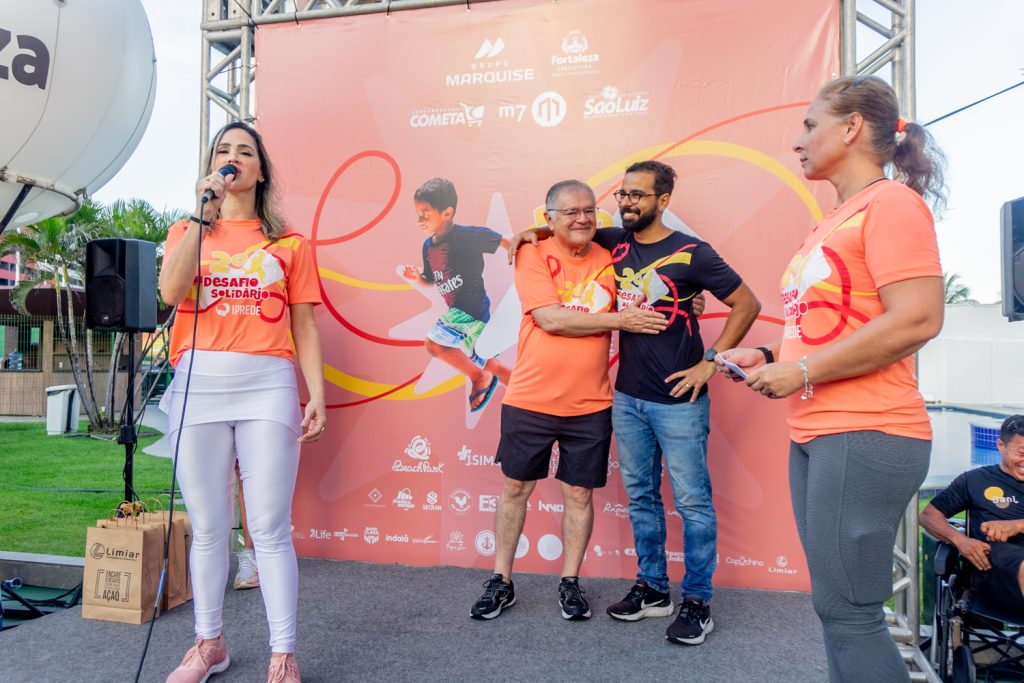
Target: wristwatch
point(710, 354)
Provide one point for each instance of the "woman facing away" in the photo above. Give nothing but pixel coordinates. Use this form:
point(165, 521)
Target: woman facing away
point(235, 385)
point(862, 294)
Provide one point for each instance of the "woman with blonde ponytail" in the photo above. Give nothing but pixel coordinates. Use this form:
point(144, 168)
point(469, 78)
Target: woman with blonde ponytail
point(862, 294)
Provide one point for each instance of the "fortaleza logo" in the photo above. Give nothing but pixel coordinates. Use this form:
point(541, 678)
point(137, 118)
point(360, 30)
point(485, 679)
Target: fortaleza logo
point(471, 459)
point(998, 497)
point(487, 69)
point(464, 115)
point(781, 566)
point(99, 551)
point(612, 103)
point(371, 535)
point(575, 58)
point(743, 561)
point(418, 449)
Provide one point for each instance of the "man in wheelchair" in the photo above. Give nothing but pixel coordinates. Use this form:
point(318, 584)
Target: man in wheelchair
point(993, 498)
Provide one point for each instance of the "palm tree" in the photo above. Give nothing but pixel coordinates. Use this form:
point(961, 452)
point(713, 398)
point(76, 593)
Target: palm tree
point(57, 247)
point(955, 291)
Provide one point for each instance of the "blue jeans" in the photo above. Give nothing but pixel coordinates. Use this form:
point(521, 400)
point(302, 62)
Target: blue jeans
point(644, 431)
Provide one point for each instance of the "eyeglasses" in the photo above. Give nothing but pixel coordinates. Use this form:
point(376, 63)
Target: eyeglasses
point(633, 197)
point(573, 214)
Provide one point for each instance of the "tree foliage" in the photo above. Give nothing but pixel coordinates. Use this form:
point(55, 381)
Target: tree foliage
point(956, 292)
point(56, 247)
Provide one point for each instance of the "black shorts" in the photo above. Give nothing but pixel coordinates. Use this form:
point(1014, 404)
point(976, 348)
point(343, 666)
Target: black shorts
point(583, 444)
point(1002, 579)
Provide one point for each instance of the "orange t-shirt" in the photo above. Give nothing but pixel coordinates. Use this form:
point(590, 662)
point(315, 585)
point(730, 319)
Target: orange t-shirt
point(882, 235)
point(557, 375)
point(248, 283)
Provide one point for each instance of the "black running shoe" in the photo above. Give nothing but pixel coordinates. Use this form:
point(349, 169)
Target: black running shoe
point(497, 596)
point(693, 623)
point(642, 601)
point(570, 597)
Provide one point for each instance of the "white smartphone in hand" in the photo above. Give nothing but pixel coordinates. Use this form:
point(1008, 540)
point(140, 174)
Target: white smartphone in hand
point(735, 369)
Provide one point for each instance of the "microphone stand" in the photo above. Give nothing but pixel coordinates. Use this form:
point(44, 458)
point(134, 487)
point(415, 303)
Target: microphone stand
point(128, 435)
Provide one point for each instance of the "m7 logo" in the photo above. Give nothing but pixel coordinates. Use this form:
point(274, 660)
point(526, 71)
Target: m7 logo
point(512, 111)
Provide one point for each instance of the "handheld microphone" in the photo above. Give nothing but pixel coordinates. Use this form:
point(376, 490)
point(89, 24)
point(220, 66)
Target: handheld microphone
point(225, 170)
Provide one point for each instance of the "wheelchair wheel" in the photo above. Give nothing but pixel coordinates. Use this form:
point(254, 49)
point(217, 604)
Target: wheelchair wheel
point(963, 665)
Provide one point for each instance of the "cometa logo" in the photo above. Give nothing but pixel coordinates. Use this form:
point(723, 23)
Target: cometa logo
point(999, 498)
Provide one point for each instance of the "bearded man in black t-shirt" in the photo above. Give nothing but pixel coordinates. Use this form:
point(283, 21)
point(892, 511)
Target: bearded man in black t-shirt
point(661, 410)
point(993, 496)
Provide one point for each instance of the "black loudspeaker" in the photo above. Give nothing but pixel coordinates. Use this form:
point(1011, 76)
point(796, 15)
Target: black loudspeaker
point(120, 285)
point(1013, 259)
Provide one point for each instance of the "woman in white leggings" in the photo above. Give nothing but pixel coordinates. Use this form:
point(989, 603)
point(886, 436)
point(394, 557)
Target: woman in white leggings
point(235, 389)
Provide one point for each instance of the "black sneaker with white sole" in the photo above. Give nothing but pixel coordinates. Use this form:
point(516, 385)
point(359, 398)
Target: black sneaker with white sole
point(570, 597)
point(497, 596)
point(642, 601)
point(693, 623)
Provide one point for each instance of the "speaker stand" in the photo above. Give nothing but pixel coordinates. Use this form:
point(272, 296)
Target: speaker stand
point(128, 435)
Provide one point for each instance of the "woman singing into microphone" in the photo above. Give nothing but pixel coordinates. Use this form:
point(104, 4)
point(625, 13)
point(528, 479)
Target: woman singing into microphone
point(862, 294)
point(235, 383)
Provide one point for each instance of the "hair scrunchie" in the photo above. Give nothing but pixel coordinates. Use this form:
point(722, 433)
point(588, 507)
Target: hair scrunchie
point(901, 127)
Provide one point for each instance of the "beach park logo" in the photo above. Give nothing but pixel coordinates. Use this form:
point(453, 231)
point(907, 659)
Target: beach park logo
point(576, 58)
point(458, 501)
point(371, 534)
point(418, 450)
point(998, 497)
point(488, 67)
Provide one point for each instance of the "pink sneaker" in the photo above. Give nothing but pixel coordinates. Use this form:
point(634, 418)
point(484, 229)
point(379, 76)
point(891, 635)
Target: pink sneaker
point(205, 658)
point(284, 670)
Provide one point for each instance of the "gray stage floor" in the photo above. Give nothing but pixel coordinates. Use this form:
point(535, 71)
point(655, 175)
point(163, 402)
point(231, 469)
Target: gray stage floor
point(371, 622)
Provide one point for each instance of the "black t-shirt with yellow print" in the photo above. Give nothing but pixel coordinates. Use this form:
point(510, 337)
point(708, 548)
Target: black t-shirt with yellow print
point(989, 494)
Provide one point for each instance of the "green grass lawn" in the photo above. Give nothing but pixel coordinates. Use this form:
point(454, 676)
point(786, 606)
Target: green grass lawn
point(40, 512)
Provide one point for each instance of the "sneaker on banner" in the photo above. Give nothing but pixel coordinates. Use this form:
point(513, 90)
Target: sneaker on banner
point(284, 670)
point(642, 601)
point(570, 597)
point(204, 659)
point(497, 596)
point(248, 575)
point(692, 624)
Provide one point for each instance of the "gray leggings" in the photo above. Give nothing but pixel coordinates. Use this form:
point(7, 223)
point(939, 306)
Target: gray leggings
point(849, 493)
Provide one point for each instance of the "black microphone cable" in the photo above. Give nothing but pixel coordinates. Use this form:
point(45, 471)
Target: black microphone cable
point(181, 422)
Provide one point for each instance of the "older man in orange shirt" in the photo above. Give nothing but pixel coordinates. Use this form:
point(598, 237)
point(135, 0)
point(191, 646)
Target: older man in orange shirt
point(559, 389)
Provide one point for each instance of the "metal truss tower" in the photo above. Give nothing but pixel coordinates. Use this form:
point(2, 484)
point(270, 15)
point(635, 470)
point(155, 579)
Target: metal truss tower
point(885, 27)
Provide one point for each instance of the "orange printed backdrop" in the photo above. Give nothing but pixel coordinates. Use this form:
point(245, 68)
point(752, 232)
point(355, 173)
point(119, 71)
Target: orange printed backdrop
point(505, 99)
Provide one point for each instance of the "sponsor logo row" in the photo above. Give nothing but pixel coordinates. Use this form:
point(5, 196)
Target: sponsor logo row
point(459, 501)
point(547, 110)
point(548, 547)
point(497, 61)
